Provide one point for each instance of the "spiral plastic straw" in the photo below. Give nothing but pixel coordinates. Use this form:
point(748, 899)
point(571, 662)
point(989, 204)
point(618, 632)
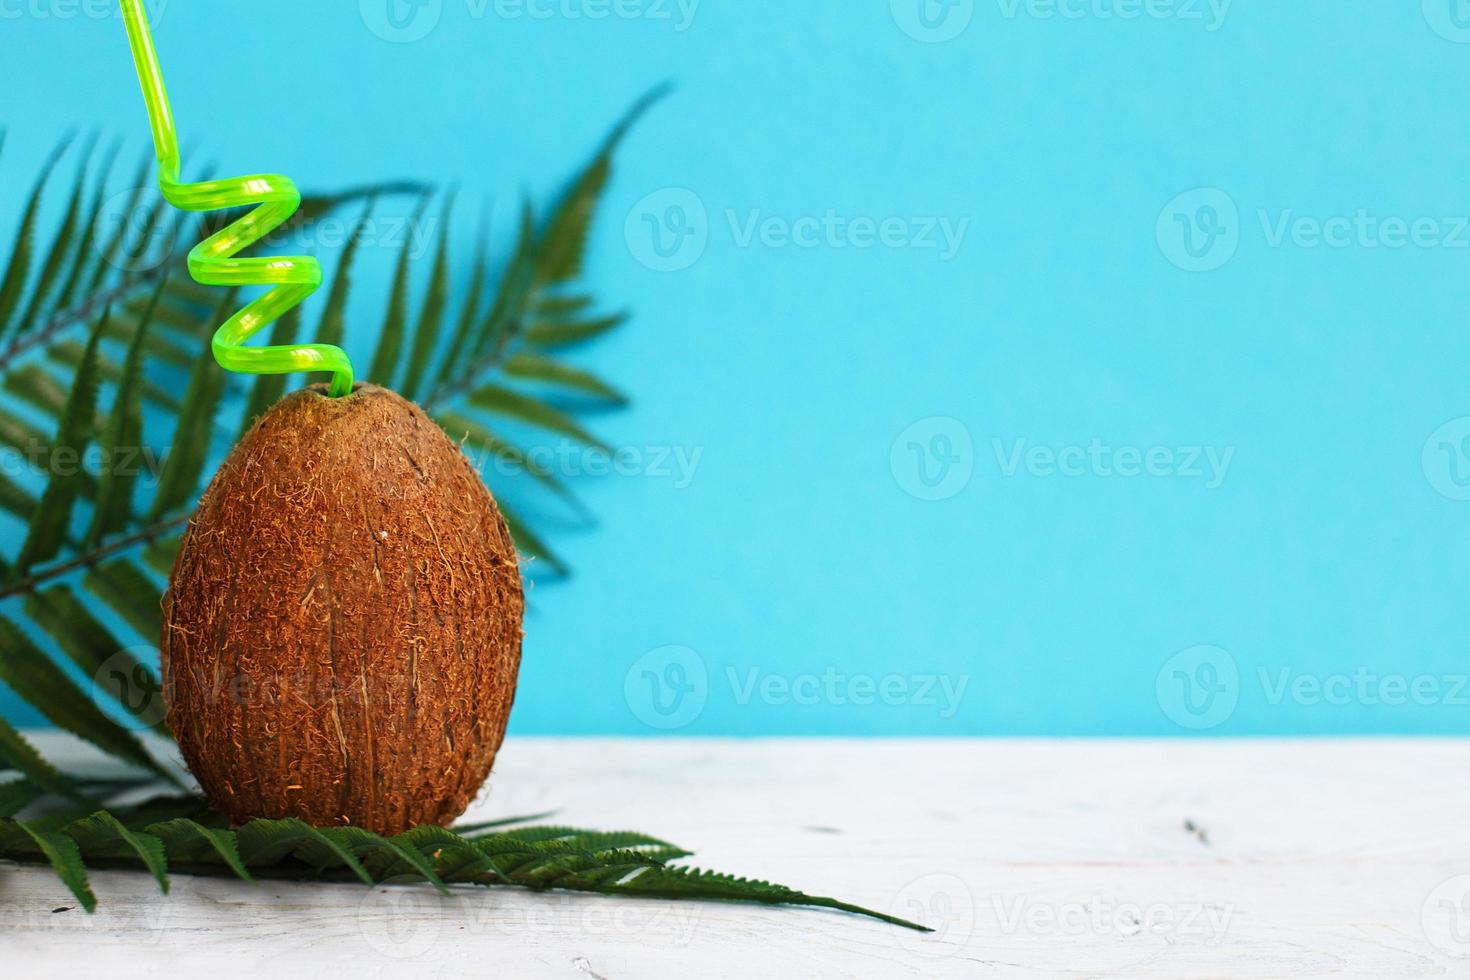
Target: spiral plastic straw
point(213, 261)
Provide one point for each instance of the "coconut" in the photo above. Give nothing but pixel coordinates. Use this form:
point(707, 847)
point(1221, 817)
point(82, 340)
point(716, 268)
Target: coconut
point(342, 628)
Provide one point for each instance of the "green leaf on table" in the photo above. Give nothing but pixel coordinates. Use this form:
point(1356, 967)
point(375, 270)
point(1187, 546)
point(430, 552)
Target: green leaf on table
point(102, 836)
point(65, 858)
point(538, 858)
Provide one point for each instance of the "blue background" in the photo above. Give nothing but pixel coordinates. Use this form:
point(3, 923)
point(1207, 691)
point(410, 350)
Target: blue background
point(798, 551)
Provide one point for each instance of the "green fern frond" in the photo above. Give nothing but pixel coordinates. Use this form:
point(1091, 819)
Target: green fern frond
point(25, 669)
point(122, 437)
point(57, 256)
point(431, 317)
point(39, 774)
point(384, 366)
point(13, 284)
point(534, 367)
point(512, 404)
point(184, 465)
point(538, 858)
point(48, 527)
point(134, 596)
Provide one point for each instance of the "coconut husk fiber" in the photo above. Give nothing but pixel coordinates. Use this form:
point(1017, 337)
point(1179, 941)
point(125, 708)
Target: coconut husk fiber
point(342, 629)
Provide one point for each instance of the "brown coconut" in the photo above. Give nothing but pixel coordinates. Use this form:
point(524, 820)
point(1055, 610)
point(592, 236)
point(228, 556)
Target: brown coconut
point(342, 629)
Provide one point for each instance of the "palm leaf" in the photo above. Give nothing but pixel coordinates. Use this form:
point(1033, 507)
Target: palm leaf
point(21, 755)
point(563, 333)
point(190, 842)
point(333, 325)
point(131, 594)
point(122, 436)
point(86, 253)
point(110, 253)
point(431, 318)
point(185, 462)
point(57, 255)
point(457, 427)
point(510, 302)
point(469, 312)
point(101, 836)
point(93, 648)
point(529, 543)
point(17, 794)
point(48, 527)
point(523, 408)
point(390, 339)
point(32, 675)
point(559, 253)
point(534, 367)
point(15, 499)
point(18, 270)
point(538, 858)
point(61, 852)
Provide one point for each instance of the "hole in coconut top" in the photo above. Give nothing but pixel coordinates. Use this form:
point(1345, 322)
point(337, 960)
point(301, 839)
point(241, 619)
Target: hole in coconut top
point(320, 389)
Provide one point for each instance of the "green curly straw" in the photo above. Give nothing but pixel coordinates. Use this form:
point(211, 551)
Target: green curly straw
point(213, 261)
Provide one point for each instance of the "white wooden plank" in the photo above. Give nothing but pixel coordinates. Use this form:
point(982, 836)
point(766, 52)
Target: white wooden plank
point(1034, 858)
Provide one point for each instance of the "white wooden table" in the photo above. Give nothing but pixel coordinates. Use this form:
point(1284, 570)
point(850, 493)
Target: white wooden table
point(1346, 858)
